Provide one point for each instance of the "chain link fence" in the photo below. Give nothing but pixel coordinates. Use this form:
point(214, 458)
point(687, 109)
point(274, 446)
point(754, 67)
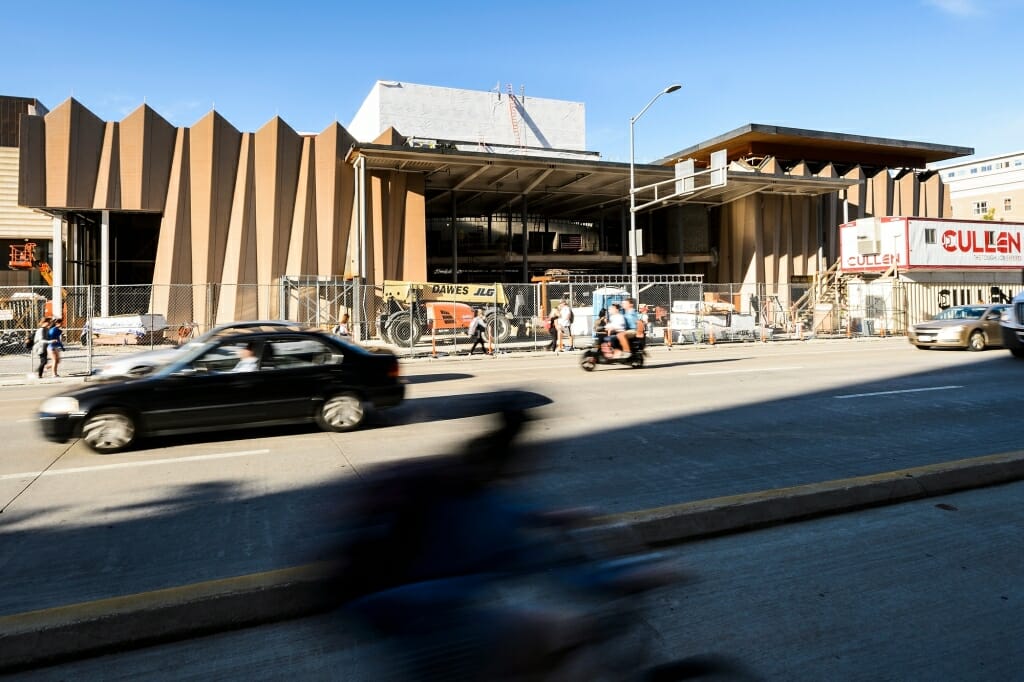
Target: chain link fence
point(103, 323)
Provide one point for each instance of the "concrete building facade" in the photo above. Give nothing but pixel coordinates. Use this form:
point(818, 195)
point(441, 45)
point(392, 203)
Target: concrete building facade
point(472, 120)
point(18, 224)
point(988, 188)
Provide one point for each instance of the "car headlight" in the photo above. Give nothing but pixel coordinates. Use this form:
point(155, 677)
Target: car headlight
point(951, 332)
point(59, 405)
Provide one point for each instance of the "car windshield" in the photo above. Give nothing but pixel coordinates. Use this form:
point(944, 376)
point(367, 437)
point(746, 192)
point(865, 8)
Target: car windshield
point(970, 312)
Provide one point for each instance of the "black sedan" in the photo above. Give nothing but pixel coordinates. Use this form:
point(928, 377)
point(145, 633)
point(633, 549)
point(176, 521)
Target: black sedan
point(240, 378)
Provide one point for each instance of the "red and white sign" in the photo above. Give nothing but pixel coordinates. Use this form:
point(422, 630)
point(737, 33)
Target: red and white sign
point(876, 244)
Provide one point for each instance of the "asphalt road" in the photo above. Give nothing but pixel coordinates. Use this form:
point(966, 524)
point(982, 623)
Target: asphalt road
point(928, 590)
point(696, 423)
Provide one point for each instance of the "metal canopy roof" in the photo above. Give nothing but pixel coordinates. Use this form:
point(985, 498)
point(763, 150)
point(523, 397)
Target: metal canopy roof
point(487, 183)
point(797, 144)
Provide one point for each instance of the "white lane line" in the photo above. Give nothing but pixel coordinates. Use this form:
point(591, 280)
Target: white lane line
point(906, 390)
point(126, 465)
point(744, 371)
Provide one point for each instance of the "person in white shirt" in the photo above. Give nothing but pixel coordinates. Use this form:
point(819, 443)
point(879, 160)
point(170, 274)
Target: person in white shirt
point(247, 360)
point(478, 331)
point(341, 329)
point(565, 318)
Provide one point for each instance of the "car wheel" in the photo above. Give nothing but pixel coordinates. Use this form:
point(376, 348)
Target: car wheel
point(108, 431)
point(1017, 353)
point(976, 341)
point(587, 363)
point(342, 412)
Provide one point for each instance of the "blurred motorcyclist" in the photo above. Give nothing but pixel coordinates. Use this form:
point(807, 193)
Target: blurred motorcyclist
point(629, 331)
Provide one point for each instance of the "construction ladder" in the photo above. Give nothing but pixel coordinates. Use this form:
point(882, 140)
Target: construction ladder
point(514, 116)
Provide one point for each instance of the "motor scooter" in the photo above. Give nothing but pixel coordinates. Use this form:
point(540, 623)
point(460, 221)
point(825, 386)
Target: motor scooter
point(601, 353)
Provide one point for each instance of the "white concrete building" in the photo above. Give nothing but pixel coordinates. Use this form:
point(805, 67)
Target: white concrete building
point(993, 186)
point(503, 122)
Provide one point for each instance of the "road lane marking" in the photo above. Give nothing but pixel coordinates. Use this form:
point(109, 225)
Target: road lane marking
point(125, 465)
point(744, 371)
point(905, 390)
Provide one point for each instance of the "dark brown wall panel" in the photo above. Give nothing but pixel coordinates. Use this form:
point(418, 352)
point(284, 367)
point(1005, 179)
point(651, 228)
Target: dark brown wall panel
point(32, 162)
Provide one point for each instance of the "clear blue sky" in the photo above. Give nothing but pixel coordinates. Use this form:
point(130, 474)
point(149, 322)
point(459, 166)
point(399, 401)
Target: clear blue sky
point(944, 71)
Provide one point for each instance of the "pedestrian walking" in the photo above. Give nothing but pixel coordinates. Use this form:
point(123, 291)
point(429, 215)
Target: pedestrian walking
point(341, 329)
point(41, 345)
point(565, 320)
point(478, 331)
point(56, 344)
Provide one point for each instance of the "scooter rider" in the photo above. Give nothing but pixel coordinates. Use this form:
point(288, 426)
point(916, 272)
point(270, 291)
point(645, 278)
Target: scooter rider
point(614, 327)
point(631, 318)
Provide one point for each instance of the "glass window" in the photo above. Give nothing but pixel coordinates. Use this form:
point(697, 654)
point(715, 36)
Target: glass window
point(1007, 204)
point(287, 353)
point(973, 171)
point(223, 358)
point(979, 207)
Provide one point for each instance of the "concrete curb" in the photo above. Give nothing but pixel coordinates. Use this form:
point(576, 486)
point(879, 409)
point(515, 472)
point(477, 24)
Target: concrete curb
point(48, 636)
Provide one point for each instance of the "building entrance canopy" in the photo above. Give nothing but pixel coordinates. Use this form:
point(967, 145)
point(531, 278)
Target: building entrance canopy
point(486, 183)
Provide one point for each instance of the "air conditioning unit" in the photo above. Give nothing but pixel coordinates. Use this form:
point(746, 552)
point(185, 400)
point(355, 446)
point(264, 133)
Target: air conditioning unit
point(869, 237)
point(867, 247)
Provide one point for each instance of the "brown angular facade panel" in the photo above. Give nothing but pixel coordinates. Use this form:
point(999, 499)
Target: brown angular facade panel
point(147, 145)
point(753, 235)
point(930, 204)
point(277, 152)
point(879, 201)
point(74, 139)
point(302, 247)
point(414, 248)
point(108, 179)
point(335, 200)
point(394, 227)
point(32, 162)
point(237, 297)
point(173, 267)
point(855, 194)
point(214, 146)
point(376, 217)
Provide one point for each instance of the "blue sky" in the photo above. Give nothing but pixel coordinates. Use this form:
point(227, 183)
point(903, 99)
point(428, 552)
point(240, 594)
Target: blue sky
point(945, 71)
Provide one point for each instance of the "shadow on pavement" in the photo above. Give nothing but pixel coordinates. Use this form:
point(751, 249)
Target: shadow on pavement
point(433, 378)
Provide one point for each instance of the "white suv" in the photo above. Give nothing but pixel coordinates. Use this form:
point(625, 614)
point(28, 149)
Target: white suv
point(1012, 324)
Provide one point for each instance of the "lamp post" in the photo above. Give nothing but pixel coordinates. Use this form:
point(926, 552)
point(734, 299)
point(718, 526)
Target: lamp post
point(632, 190)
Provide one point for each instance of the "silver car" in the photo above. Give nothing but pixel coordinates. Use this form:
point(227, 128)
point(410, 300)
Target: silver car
point(974, 327)
point(141, 364)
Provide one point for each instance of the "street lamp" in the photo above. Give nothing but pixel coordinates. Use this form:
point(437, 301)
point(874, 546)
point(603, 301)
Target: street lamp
point(632, 190)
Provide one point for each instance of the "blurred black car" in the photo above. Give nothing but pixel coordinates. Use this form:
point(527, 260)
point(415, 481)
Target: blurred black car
point(294, 376)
